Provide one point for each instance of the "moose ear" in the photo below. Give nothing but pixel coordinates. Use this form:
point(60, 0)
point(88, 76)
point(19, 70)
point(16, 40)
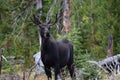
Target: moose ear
point(35, 20)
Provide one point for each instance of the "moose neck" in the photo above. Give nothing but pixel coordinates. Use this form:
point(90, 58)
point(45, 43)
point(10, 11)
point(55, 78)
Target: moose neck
point(46, 43)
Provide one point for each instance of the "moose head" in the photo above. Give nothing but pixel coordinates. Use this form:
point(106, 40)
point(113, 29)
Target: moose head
point(43, 27)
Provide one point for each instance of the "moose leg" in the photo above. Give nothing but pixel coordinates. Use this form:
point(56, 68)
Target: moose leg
point(48, 73)
point(57, 72)
point(72, 73)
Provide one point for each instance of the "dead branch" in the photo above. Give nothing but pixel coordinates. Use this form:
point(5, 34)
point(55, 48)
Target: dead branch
point(29, 73)
point(110, 65)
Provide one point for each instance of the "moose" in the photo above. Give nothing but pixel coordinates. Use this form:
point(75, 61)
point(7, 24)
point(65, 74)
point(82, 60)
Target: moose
point(54, 53)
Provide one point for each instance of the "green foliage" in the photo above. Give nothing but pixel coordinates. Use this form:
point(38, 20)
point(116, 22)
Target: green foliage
point(96, 23)
point(90, 72)
point(92, 36)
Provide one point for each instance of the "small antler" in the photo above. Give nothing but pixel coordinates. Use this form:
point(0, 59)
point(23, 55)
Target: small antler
point(35, 20)
point(57, 17)
point(49, 21)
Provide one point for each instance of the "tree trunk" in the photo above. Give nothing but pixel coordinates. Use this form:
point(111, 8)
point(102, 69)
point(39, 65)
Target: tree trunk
point(39, 37)
point(60, 14)
point(66, 15)
point(39, 4)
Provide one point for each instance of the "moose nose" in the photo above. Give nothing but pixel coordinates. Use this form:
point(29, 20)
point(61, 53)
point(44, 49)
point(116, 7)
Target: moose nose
point(47, 34)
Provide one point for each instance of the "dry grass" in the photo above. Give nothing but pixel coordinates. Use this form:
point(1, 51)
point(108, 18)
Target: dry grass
point(19, 76)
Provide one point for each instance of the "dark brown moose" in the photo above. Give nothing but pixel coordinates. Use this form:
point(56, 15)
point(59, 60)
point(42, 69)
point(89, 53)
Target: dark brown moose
point(54, 54)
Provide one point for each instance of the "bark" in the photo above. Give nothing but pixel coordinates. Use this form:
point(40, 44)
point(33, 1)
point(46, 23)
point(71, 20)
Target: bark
point(66, 15)
point(39, 4)
point(60, 14)
point(39, 37)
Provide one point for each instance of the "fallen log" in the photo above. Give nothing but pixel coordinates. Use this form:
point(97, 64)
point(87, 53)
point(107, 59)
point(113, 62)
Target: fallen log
point(109, 64)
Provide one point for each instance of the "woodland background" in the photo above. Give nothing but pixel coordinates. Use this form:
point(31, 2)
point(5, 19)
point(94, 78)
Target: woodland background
point(91, 21)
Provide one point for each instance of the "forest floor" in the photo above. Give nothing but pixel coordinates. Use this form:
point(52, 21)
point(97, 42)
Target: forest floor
point(18, 72)
point(15, 70)
point(20, 75)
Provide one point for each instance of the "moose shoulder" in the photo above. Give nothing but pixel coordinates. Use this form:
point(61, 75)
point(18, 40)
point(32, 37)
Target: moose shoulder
point(55, 54)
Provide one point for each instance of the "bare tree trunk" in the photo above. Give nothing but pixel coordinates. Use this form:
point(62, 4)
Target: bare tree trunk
point(110, 46)
point(66, 15)
point(39, 37)
point(60, 14)
point(39, 4)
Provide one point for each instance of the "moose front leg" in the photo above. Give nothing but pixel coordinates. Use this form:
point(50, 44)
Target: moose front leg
point(72, 71)
point(48, 73)
point(57, 72)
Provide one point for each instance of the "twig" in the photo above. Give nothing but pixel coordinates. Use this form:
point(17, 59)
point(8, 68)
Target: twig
point(31, 71)
point(32, 68)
